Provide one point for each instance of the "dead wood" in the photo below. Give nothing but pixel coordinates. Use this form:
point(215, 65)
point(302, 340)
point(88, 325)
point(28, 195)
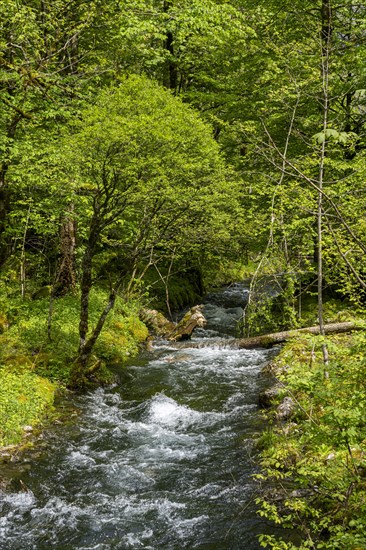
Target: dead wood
point(269, 340)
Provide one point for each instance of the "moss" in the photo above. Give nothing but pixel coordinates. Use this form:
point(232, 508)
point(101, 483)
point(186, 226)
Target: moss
point(33, 366)
point(25, 400)
point(228, 271)
point(26, 346)
point(121, 338)
point(184, 289)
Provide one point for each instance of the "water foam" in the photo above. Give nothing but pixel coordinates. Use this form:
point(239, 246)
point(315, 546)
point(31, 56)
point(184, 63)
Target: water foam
point(164, 411)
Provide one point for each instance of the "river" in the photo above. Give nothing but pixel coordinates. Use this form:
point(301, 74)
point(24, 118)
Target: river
point(162, 460)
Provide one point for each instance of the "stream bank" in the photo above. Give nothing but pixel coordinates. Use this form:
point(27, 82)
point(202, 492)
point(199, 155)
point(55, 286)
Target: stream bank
point(315, 458)
point(34, 367)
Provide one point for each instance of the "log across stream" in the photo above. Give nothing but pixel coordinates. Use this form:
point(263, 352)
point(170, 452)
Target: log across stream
point(268, 340)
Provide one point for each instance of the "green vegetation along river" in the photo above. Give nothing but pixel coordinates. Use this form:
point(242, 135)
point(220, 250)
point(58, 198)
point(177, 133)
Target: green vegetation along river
point(162, 460)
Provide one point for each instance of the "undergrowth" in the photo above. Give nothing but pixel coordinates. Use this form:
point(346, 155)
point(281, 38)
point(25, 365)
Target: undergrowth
point(315, 463)
point(33, 365)
point(24, 400)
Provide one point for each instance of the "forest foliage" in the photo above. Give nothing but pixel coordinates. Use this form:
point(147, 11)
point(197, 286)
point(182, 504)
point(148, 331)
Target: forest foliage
point(255, 74)
point(149, 148)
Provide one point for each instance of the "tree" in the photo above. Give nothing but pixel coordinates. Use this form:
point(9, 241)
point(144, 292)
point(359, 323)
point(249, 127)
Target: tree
point(52, 58)
point(147, 175)
point(310, 189)
point(187, 46)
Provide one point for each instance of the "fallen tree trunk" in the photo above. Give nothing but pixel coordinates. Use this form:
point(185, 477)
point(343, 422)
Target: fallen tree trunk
point(268, 340)
point(193, 318)
point(160, 326)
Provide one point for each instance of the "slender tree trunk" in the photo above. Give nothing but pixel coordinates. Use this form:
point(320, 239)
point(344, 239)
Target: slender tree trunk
point(165, 281)
point(86, 344)
point(4, 209)
point(325, 52)
point(22, 256)
point(87, 282)
point(86, 351)
point(66, 276)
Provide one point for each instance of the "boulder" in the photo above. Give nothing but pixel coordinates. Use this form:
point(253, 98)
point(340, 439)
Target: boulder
point(268, 397)
point(286, 409)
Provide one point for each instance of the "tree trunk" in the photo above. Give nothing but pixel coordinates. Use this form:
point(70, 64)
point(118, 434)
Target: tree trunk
point(87, 349)
point(66, 276)
point(325, 52)
point(87, 282)
point(4, 209)
point(269, 340)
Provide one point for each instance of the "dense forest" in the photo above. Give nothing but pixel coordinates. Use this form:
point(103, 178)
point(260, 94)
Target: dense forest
point(153, 149)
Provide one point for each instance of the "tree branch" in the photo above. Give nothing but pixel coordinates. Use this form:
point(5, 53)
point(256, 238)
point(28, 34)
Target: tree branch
point(17, 109)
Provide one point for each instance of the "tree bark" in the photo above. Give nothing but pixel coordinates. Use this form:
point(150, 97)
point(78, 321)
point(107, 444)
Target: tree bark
point(325, 46)
point(87, 281)
point(269, 340)
point(66, 276)
point(86, 351)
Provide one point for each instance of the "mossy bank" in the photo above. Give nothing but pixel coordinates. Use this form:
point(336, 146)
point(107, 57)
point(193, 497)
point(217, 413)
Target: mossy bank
point(35, 363)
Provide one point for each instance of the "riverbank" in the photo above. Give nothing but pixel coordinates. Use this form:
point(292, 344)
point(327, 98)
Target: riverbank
point(314, 456)
point(36, 363)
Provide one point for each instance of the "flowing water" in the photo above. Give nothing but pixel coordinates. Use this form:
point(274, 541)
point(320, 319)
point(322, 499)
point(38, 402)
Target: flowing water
point(162, 460)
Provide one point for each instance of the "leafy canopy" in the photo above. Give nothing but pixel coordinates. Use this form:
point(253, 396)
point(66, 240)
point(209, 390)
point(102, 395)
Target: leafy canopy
point(147, 167)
